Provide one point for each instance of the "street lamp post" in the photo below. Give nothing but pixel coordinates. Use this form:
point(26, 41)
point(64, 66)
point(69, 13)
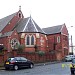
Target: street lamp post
point(71, 45)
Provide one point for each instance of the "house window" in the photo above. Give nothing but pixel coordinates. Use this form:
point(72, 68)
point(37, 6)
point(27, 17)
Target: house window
point(14, 43)
point(20, 15)
point(30, 40)
point(58, 39)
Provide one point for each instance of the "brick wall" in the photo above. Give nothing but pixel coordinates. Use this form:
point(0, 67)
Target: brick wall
point(36, 57)
point(40, 41)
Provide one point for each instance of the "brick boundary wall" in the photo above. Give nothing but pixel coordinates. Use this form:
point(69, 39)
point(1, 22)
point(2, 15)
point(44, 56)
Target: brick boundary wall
point(36, 58)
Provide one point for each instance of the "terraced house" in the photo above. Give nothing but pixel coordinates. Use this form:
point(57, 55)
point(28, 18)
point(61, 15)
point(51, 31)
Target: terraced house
point(17, 30)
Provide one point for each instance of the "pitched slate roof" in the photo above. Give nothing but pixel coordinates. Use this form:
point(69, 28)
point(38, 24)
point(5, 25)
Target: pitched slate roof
point(6, 34)
point(4, 21)
point(53, 30)
point(28, 25)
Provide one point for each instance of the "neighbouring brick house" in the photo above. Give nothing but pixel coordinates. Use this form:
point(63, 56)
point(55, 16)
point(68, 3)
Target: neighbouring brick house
point(15, 29)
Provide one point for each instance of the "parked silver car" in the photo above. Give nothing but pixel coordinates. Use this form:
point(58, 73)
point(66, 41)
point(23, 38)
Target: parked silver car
point(69, 57)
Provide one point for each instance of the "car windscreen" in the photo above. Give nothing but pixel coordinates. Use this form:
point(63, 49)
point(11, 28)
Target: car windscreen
point(11, 59)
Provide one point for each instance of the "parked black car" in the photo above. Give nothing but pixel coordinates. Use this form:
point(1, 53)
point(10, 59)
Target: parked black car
point(72, 67)
point(18, 62)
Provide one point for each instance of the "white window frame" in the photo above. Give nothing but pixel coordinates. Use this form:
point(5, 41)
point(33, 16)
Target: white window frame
point(58, 39)
point(29, 40)
point(26, 40)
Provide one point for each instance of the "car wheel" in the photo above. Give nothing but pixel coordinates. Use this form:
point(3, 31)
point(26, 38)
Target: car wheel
point(16, 67)
point(31, 66)
point(72, 72)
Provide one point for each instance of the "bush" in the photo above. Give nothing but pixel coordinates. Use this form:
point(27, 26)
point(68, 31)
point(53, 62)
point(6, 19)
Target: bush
point(1, 51)
point(41, 53)
point(20, 48)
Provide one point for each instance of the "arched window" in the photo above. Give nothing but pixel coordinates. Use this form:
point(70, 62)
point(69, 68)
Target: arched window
point(27, 40)
point(32, 40)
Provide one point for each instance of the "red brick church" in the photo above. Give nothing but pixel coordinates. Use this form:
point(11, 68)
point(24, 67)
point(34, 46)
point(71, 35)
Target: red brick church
point(15, 30)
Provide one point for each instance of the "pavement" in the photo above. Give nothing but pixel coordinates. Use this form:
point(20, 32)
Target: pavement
point(47, 63)
point(38, 64)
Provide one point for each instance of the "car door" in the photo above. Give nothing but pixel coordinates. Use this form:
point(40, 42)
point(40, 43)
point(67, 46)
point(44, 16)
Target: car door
point(24, 62)
point(18, 61)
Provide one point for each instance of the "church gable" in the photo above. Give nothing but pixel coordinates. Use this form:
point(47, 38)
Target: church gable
point(9, 22)
point(28, 25)
point(64, 30)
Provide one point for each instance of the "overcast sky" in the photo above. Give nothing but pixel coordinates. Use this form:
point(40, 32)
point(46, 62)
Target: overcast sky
point(46, 13)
